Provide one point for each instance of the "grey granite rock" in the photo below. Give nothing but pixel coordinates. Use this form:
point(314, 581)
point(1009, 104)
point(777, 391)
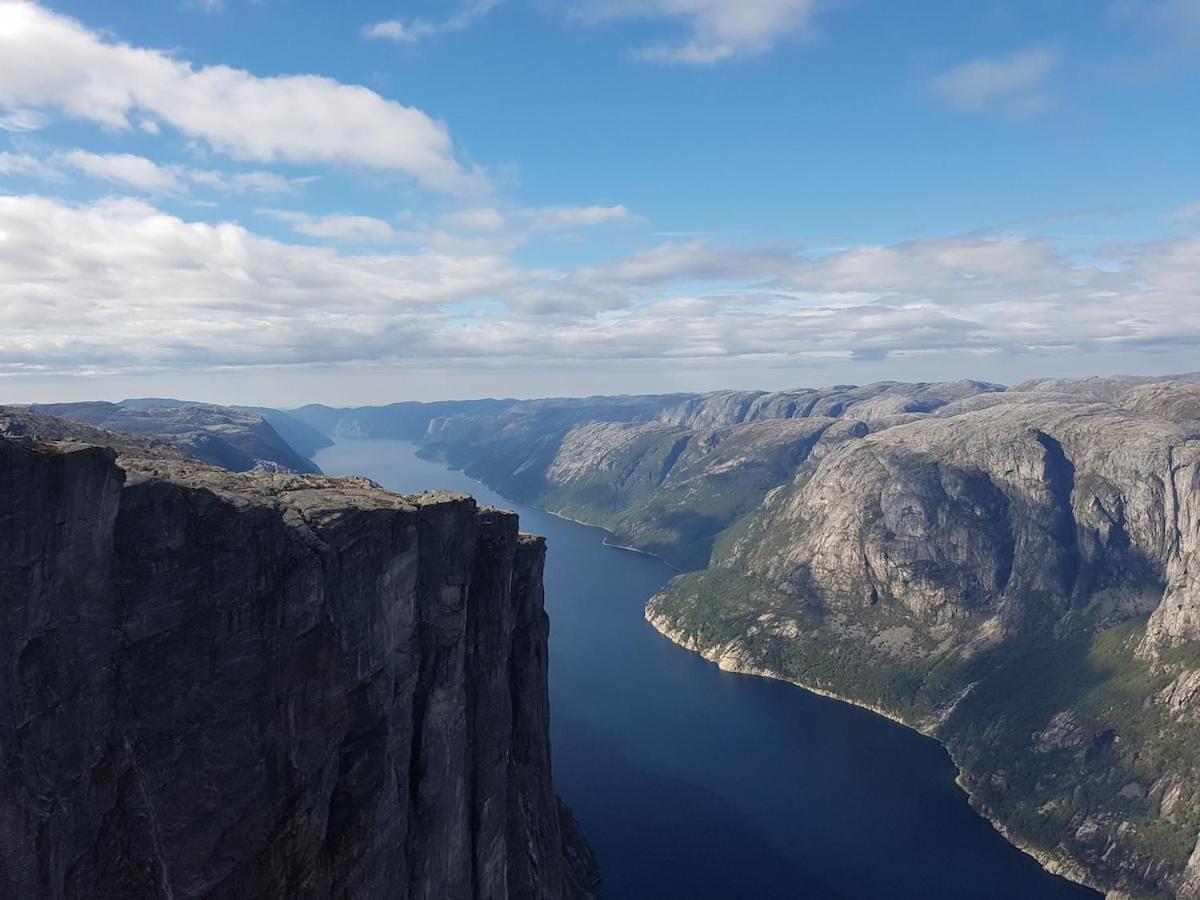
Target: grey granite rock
point(265, 685)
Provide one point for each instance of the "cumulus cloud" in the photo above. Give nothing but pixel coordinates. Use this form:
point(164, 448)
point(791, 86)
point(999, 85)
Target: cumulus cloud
point(415, 30)
point(130, 171)
point(537, 218)
point(336, 227)
point(1014, 83)
point(19, 164)
point(118, 285)
point(567, 218)
point(124, 169)
point(21, 120)
point(478, 218)
point(716, 30)
point(51, 62)
point(251, 182)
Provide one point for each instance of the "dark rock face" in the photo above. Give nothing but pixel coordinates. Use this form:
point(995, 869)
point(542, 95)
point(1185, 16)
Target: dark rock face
point(235, 439)
point(267, 685)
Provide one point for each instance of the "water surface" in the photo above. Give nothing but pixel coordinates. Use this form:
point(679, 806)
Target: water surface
point(695, 783)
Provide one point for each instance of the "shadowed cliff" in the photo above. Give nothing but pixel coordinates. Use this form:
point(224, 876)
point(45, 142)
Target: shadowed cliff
point(266, 685)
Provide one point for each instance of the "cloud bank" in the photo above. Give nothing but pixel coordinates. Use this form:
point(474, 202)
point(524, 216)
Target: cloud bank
point(118, 286)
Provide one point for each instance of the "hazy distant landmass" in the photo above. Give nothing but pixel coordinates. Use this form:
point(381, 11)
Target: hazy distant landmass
point(234, 438)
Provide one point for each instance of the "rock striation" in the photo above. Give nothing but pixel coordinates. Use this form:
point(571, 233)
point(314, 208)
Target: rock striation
point(266, 685)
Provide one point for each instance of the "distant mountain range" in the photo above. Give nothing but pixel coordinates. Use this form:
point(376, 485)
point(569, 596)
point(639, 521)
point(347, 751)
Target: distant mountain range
point(235, 438)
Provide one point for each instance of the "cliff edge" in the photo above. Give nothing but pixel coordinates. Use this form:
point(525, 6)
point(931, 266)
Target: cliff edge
point(266, 685)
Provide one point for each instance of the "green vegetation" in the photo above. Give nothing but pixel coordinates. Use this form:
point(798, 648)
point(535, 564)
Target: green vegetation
point(1058, 730)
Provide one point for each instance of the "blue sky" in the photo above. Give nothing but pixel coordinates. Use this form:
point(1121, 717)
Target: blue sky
point(531, 197)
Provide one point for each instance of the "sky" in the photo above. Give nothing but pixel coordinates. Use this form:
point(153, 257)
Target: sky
point(291, 201)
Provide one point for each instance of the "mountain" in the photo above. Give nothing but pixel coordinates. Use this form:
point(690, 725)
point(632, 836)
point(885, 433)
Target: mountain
point(1013, 571)
point(234, 438)
point(266, 684)
point(667, 474)
point(301, 437)
point(404, 421)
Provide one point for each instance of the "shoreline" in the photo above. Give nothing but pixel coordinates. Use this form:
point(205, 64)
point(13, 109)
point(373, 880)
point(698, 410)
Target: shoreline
point(1061, 867)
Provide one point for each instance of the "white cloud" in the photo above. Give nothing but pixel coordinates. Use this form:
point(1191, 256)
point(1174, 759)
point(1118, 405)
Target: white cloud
point(20, 164)
point(118, 285)
point(1179, 17)
point(336, 227)
point(145, 175)
point(124, 169)
point(416, 30)
point(1188, 213)
point(566, 218)
point(717, 30)
point(21, 120)
point(51, 62)
point(479, 218)
point(537, 218)
point(253, 182)
point(1015, 83)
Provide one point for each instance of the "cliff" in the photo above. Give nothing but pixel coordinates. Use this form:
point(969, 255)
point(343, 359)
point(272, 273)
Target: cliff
point(266, 685)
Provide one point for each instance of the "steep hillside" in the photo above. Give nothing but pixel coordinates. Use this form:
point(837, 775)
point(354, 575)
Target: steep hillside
point(667, 474)
point(1020, 580)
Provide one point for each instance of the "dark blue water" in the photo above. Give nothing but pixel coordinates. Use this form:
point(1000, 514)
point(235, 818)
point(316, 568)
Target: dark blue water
point(695, 783)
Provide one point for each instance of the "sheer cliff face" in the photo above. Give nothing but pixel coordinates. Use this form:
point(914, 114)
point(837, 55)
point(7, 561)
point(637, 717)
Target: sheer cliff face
point(957, 517)
point(267, 686)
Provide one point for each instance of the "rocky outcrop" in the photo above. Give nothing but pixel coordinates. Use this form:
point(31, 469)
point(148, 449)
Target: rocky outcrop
point(266, 685)
point(232, 438)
